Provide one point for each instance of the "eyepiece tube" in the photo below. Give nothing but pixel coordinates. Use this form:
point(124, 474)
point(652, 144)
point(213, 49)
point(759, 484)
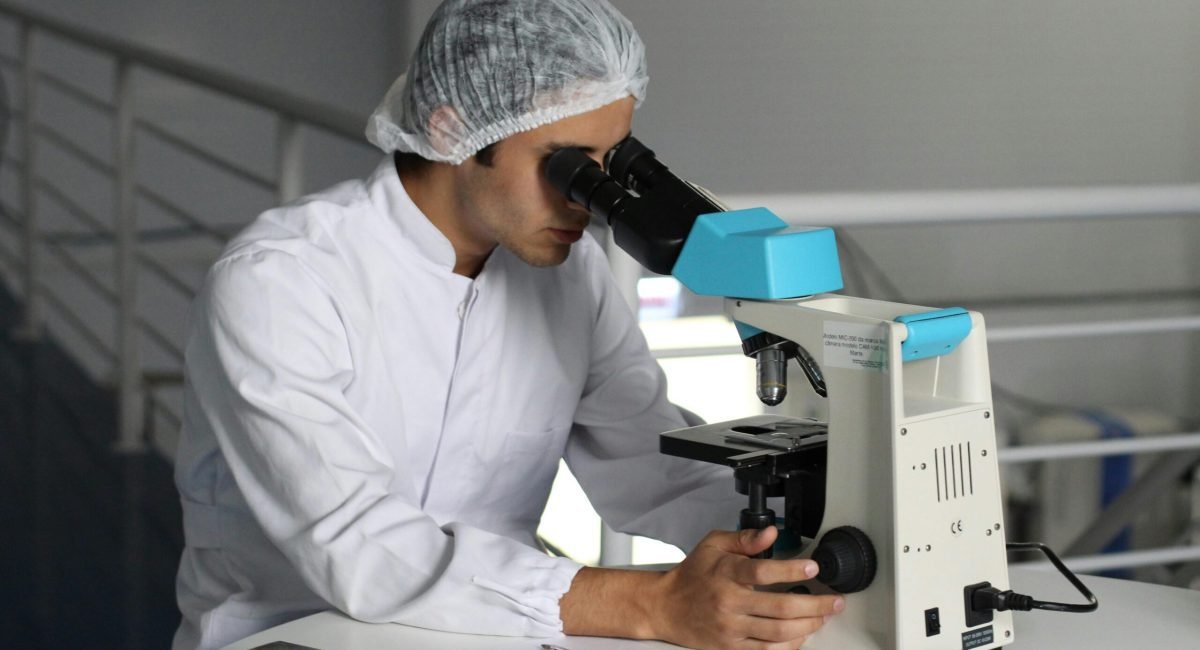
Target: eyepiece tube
point(650, 210)
point(633, 164)
point(582, 181)
point(636, 168)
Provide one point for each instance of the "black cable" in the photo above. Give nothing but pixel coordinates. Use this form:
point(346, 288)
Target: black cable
point(1067, 573)
point(989, 597)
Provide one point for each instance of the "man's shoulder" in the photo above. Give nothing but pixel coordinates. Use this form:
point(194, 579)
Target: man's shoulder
point(295, 243)
point(309, 227)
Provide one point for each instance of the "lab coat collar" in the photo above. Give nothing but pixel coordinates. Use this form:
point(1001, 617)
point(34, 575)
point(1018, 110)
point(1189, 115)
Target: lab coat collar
point(390, 198)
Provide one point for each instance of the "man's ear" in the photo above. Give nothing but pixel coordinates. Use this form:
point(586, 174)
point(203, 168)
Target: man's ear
point(445, 130)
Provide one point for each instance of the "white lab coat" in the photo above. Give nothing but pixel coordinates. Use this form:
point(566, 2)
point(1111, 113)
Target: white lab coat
point(367, 431)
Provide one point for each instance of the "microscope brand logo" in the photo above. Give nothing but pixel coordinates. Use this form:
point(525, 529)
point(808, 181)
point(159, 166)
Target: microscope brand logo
point(857, 346)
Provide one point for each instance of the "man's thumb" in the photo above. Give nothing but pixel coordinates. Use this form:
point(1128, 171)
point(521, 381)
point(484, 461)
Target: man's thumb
point(752, 541)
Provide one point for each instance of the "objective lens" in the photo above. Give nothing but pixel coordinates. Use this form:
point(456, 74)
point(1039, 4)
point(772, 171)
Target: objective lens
point(772, 376)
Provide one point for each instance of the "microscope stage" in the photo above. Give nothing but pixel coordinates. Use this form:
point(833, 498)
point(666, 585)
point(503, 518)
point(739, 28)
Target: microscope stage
point(747, 441)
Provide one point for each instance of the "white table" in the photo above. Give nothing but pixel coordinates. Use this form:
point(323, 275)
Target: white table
point(1132, 616)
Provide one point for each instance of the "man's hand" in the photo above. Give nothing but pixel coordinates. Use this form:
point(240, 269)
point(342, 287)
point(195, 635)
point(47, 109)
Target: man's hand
point(708, 601)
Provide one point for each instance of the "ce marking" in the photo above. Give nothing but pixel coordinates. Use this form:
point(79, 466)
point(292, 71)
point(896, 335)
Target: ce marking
point(956, 527)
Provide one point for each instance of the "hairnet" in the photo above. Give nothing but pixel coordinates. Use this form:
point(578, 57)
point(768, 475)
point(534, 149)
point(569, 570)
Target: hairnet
point(486, 69)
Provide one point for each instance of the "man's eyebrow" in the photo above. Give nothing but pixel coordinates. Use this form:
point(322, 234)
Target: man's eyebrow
point(555, 146)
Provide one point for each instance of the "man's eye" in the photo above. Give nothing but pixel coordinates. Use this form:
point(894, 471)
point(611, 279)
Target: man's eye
point(546, 158)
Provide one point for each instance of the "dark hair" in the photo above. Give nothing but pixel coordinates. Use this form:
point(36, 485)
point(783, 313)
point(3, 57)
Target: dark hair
point(487, 155)
point(407, 161)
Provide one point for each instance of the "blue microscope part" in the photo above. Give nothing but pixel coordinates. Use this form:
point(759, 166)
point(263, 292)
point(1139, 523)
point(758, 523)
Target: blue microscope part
point(934, 333)
point(755, 254)
point(746, 331)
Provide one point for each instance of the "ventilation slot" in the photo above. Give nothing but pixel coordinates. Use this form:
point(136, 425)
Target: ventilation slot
point(954, 477)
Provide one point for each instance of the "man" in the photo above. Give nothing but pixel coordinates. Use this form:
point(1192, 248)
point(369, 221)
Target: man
point(382, 377)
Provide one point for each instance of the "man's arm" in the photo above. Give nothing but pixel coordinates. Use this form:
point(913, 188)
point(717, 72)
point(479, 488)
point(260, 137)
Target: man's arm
point(269, 363)
point(613, 449)
point(707, 601)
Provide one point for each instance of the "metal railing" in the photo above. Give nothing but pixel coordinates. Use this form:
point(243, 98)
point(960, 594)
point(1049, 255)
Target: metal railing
point(137, 387)
point(137, 398)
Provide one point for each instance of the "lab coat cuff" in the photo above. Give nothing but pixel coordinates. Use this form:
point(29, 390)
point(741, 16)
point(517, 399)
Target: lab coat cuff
point(549, 579)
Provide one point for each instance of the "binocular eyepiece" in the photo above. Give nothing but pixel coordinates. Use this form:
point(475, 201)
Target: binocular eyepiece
point(650, 210)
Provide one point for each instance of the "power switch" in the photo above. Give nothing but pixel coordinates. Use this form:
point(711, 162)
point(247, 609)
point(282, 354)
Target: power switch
point(933, 622)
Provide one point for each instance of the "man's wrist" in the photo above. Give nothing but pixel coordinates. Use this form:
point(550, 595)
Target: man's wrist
point(614, 602)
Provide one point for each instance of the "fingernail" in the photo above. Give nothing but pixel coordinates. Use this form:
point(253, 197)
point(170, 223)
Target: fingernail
point(810, 569)
point(839, 604)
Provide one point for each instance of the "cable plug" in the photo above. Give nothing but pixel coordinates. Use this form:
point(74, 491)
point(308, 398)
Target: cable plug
point(990, 598)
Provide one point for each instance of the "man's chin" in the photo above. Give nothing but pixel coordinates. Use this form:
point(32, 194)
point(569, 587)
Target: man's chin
point(543, 257)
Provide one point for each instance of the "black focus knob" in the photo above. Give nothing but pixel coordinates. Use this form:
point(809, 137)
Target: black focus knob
point(847, 560)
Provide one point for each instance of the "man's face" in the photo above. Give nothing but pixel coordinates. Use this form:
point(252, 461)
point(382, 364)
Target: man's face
point(512, 204)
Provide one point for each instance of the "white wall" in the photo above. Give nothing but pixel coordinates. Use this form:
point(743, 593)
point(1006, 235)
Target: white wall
point(783, 96)
point(863, 95)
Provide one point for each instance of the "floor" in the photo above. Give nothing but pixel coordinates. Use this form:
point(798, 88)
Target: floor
point(89, 539)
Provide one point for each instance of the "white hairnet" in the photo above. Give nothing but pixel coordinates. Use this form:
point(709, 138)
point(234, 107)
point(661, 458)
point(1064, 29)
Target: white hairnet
point(486, 69)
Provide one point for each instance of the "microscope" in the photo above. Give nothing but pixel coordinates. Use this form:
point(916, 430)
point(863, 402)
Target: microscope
point(897, 496)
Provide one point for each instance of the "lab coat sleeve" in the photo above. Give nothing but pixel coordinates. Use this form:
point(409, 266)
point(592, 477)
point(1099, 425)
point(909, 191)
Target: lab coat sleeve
point(613, 448)
point(269, 360)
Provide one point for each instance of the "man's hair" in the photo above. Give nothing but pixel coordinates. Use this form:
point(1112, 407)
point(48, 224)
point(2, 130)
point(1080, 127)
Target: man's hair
point(407, 161)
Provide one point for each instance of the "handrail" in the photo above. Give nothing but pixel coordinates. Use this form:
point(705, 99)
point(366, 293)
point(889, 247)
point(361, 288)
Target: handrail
point(87, 157)
point(164, 342)
point(1094, 328)
point(180, 214)
point(74, 266)
point(975, 206)
point(1099, 448)
point(75, 321)
point(338, 121)
point(207, 156)
point(69, 205)
point(1121, 560)
point(71, 90)
point(165, 274)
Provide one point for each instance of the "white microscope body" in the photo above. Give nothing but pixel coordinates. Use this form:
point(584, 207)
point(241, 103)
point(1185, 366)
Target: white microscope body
point(911, 462)
point(908, 455)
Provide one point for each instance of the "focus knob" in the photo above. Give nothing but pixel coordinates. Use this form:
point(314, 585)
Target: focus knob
point(847, 560)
